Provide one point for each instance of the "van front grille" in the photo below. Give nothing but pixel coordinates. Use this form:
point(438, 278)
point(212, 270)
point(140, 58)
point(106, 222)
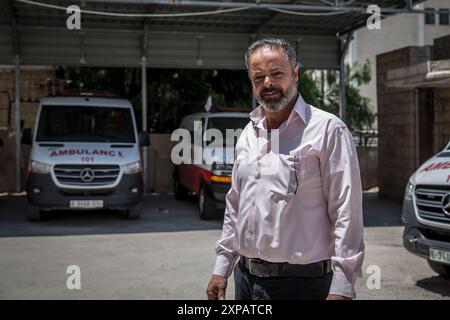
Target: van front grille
point(429, 203)
point(86, 175)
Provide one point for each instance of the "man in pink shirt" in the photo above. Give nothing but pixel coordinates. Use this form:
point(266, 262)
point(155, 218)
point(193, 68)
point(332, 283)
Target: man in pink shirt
point(293, 214)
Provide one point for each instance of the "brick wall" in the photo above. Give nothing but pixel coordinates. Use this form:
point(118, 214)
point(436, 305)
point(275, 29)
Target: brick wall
point(441, 48)
point(441, 132)
point(35, 84)
point(396, 122)
point(397, 117)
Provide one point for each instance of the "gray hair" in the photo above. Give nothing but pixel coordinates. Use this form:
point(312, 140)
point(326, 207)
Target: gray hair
point(272, 43)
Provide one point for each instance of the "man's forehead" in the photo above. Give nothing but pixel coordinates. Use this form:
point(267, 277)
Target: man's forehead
point(272, 57)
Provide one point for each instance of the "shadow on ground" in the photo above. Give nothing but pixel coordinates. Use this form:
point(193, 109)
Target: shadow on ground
point(162, 213)
point(381, 212)
point(436, 284)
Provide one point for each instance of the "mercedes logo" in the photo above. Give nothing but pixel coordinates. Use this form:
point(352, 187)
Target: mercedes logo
point(446, 204)
point(87, 175)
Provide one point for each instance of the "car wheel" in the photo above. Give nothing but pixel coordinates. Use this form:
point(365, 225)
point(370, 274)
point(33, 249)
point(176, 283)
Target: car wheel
point(33, 214)
point(440, 268)
point(206, 206)
point(134, 212)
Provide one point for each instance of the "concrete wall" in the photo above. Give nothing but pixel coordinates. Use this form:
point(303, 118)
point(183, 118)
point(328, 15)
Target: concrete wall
point(368, 164)
point(160, 166)
point(396, 32)
point(8, 161)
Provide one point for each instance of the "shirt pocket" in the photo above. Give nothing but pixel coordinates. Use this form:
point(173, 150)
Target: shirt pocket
point(308, 171)
point(284, 181)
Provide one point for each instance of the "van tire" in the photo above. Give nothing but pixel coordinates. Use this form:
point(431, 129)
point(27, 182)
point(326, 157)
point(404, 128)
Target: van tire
point(440, 268)
point(206, 206)
point(33, 214)
point(134, 213)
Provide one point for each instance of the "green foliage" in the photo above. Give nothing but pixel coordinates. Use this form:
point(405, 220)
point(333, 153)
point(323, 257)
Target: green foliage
point(309, 88)
point(358, 113)
point(173, 93)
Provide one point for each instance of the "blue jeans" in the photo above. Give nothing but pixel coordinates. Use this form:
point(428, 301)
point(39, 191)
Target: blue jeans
point(250, 287)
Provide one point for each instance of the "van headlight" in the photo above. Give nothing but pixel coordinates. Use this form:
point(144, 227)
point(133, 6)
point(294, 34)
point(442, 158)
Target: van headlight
point(409, 191)
point(133, 167)
point(40, 167)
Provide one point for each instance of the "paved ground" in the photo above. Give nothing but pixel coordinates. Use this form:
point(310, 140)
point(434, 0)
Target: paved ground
point(168, 254)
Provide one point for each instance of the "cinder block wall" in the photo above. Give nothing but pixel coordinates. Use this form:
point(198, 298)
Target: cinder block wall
point(441, 48)
point(33, 88)
point(441, 130)
point(396, 122)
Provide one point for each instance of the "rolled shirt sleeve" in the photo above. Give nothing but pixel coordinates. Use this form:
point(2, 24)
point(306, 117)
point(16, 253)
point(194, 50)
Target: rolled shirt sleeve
point(342, 189)
point(226, 254)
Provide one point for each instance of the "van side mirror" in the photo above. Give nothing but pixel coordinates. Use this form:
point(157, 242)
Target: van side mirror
point(26, 136)
point(144, 139)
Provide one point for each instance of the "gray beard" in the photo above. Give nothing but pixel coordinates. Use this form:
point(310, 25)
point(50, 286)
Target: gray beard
point(276, 106)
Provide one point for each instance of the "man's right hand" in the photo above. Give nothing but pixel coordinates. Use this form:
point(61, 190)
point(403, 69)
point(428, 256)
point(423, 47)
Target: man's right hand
point(216, 288)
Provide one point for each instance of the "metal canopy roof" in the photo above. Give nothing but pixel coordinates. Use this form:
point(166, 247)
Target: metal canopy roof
point(133, 33)
point(200, 41)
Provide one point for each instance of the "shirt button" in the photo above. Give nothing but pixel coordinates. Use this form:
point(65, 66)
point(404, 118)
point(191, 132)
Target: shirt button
point(253, 202)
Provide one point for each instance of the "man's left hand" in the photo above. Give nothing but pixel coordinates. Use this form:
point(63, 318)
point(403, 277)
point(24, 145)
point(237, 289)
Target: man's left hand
point(337, 297)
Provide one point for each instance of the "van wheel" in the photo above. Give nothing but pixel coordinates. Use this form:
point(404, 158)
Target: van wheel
point(206, 206)
point(134, 213)
point(440, 268)
point(180, 191)
point(33, 213)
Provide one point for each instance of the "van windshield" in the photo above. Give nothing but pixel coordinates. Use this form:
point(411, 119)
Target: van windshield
point(85, 124)
point(223, 124)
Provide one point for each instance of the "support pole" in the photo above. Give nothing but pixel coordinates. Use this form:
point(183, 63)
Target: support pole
point(144, 114)
point(342, 92)
point(17, 121)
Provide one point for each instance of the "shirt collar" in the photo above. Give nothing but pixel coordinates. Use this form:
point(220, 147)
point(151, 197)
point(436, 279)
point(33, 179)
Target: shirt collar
point(258, 115)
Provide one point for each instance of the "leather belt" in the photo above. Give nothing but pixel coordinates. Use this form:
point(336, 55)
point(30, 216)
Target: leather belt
point(264, 269)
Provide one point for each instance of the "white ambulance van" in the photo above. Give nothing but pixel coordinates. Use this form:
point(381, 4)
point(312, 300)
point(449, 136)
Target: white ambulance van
point(426, 212)
point(85, 155)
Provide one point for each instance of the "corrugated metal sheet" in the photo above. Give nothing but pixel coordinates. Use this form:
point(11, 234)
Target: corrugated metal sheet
point(6, 45)
point(172, 42)
point(41, 46)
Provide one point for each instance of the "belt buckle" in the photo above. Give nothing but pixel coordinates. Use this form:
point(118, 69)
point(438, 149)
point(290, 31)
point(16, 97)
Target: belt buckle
point(326, 267)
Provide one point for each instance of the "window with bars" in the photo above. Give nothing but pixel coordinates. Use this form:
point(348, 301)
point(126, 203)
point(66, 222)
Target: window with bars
point(430, 16)
point(444, 17)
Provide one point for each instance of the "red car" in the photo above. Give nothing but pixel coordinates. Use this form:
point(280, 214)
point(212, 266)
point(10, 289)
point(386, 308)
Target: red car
point(210, 178)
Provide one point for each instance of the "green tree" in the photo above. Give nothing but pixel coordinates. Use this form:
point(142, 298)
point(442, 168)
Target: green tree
point(309, 88)
point(359, 115)
point(174, 93)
